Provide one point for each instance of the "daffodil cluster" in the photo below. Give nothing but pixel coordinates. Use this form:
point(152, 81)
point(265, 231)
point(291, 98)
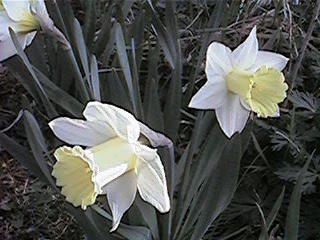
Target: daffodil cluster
point(106, 156)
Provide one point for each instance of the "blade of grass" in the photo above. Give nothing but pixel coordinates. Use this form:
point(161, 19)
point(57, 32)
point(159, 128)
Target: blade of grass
point(272, 216)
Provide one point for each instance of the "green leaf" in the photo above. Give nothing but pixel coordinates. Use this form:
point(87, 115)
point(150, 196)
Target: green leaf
point(151, 103)
point(43, 96)
point(216, 19)
point(124, 62)
point(163, 37)
point(105, 34)
point(272, 216)
point(129, 232)
point(94, 78)
point(165, 220)
point(38, 145)
point(275, 209)
point(90, 22)
point(75, 36)
point(21, 154)
point(116, 91)
point(60, 97)
point(149, 215)
point(293, 214)
point(220, 187)
point(173, 98)
point(135, 81)
point(88, 224)
point(264, 230)
point(81, 47)
point(196, 173)
point(173, 101)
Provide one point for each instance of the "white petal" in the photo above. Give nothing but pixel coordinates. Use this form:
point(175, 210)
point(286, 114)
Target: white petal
point(7, 48)
point(270, 59)
point(16, 9)
point(232, 116)
point(5, 23)
point(80, 132)
point(218, 61)
point(111, 159)
point(210, 96)
point(152, 183)
point(122, 122)
point(29, 38)
point(121, 193)
point(245, 55)
point(277, 114)
point(39, 7)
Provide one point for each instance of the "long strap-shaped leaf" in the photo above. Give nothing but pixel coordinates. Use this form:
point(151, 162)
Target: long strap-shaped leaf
point(21, 154)
point(292, 222)
point(43, 96)
point(102, 217)
point(38, 145)
point(219, 189)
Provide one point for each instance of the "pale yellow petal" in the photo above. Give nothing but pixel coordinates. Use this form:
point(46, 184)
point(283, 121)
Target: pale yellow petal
point(75, 176)
point(268, 90)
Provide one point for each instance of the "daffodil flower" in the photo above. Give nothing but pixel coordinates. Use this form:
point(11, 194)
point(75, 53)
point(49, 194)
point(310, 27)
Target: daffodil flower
point(114, 163)
point(241, 81)
point(25, 17)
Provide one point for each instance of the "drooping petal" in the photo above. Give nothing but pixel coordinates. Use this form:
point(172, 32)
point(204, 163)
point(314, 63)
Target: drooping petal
point(75, 175)
point(151, 182)
point(122, 122)
point(80, 132)
point(232, 116)
point(218, 61)
point(16, 9)
point(112, 159)
point(121, 193)
point(211, 95)
point(271, 60)
point(245, 55)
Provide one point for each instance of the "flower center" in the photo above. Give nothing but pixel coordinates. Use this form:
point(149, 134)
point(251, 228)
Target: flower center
point(1, 6)
point(262, 91)
point(28, 23)
point(112, 159)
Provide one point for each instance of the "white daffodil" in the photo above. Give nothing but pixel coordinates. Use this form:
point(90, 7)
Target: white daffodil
point(25, 17)
point(114, 163)
point(241, 81)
